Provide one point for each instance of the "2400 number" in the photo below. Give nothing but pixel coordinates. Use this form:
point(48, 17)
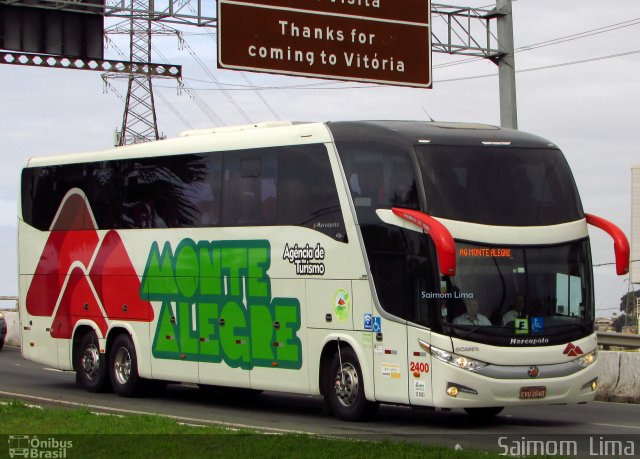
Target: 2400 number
point(422, 367)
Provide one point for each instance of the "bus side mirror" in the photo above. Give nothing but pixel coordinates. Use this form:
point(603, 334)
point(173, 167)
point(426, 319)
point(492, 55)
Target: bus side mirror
point(445, 246)
point(620, 242)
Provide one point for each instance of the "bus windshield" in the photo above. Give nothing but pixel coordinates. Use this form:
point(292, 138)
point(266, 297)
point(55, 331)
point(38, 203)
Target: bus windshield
point(503, 293)
point(499, 185)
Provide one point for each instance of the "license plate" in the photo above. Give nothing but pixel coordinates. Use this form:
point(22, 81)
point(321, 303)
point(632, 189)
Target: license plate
point(533, 392)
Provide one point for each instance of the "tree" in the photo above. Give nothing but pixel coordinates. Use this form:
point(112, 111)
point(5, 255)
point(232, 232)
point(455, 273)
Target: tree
point(618, 322)
point(628, 302)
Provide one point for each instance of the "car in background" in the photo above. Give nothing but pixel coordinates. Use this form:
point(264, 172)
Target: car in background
point(3, 329)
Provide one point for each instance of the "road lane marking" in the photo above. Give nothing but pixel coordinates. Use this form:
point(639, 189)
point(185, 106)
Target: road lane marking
point(615, 425)
point(229, 425)
point(52, 369)
point(36, 407)
point(99, 413)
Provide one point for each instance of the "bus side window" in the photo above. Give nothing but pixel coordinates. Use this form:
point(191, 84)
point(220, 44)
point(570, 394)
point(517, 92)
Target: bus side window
point(379, 177)
point(38, 196)
point(249, 187)
point(104, 192)
point(307, 193)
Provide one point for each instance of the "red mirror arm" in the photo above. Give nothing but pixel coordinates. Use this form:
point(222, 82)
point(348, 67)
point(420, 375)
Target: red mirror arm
point(620, 242)
point(445, 246)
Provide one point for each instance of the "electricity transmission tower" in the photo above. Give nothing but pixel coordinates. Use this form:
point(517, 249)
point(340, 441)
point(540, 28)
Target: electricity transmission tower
point(139, 120)
point(139, 123)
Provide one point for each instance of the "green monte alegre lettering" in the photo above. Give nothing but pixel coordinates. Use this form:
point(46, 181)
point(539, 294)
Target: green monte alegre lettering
point(217, 305)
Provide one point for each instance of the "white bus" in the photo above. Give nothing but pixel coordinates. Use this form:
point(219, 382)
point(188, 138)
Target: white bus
point(425, 264)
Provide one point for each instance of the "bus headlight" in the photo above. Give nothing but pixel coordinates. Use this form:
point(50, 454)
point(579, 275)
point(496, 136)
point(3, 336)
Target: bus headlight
point(588, 359)
point(468, 364)
point(456, 360)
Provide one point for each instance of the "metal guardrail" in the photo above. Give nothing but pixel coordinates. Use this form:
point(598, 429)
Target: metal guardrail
point(607, 339)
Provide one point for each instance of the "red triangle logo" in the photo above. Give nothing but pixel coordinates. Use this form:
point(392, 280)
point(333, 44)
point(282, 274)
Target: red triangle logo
point(74, 239)
point(117, 283)
point(78, 302)
point(70, 240)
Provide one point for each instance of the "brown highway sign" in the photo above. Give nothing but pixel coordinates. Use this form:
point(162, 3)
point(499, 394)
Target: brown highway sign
point(329, 39)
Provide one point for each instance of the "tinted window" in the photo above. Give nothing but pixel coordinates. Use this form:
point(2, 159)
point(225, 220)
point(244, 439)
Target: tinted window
point(499, 186)
point(250, 179)
point(38, 196)
point(512, 291)
point(379, 176)
point(307, 193)
point(171, 192)
point(403, 267)
point(267, 186)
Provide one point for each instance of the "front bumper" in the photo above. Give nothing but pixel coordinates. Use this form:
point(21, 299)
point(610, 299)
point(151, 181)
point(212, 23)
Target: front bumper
point(486, 391)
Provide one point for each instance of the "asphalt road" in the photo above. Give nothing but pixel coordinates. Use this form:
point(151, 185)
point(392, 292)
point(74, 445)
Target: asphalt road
point(589, 425)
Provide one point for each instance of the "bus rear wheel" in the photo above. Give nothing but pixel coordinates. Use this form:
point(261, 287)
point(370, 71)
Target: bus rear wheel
point(344, 388)
point(484, 413)
point(91, 365)
point(123, 367)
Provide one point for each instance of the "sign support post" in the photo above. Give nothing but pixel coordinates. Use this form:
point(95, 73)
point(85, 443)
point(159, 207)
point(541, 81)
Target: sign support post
point(506, 66)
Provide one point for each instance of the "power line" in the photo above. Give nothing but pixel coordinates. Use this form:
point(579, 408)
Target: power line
point(612, 263)
point(215, 81)
point(473, 77)
point(579, 35)
point(174, 110)
point(553, 41)
point(545, 67)
point(214, 37)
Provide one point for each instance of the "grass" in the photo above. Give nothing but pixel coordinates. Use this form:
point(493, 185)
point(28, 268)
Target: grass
point(108, 436)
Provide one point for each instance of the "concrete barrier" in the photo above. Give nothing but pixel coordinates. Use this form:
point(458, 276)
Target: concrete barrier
point(619, 381)
point(13, 327)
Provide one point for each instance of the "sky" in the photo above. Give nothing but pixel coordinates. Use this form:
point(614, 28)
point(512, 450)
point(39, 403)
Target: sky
point(583, 94)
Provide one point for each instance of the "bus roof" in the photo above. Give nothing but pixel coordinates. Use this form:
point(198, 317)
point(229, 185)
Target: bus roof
point(435, 132)
point(267, 134)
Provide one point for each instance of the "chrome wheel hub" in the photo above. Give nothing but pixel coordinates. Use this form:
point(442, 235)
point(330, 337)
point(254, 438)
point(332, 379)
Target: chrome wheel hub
point(122, 366)
point(91, 362)
point(346, 384)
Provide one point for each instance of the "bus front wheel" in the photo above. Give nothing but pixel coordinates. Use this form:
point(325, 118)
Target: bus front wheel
point(344, 388)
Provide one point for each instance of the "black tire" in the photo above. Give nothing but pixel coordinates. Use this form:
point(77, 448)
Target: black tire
point(123, 367)
point(346, 398)
point(91, 366)
point(484, 413)
point(1, 343)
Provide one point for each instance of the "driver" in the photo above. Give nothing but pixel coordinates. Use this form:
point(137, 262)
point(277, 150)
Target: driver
point(515, 311)
point(472, 317)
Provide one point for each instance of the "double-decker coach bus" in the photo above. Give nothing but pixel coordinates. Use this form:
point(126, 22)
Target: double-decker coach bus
point(425, 264)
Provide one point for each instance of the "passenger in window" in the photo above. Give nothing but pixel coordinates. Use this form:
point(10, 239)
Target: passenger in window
point(515, 312)
point(472, 316)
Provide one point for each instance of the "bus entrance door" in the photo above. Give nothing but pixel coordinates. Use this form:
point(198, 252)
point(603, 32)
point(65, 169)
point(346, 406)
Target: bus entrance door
point(390, 360)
